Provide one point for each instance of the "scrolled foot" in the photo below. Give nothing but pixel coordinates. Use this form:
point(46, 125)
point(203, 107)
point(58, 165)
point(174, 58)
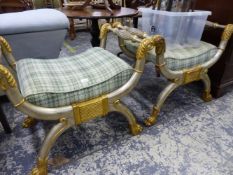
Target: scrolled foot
point(29, 122)
point(150, 121)
point(37, 171)
point(136, 129)
point(41, 168)
point(207, 97)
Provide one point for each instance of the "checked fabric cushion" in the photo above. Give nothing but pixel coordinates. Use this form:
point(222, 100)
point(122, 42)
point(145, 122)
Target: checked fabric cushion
point(181, 58)
point(63, 81)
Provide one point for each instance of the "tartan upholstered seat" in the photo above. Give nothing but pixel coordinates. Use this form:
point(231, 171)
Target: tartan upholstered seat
point(182, 58)
point(181, 65)
point(61, 82)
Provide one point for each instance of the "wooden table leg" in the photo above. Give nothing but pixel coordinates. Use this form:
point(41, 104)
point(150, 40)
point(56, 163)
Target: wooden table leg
point(135, 22)
point(95, 32)
point(72, 32)
point(4, 122)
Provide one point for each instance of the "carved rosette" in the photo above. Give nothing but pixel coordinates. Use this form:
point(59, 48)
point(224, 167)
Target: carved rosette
point(228, 31)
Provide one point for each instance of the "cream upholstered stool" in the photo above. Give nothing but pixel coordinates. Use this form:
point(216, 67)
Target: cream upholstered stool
point(181, 66)
point(75, 89)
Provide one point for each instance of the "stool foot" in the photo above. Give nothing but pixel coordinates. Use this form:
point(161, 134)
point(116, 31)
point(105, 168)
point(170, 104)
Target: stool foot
point(29, 122)
point(150, 121)
point(207, 97)
point(136, 129)
point(41, 167)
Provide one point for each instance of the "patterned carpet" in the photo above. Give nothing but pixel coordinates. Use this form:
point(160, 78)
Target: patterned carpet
point(190, 137)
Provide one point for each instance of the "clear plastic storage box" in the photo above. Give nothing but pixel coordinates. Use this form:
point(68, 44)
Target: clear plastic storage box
point(180, 29)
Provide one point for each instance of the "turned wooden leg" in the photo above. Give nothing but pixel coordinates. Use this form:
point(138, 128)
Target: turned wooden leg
point(95, 32)
point(135, 22)
point(72, 32)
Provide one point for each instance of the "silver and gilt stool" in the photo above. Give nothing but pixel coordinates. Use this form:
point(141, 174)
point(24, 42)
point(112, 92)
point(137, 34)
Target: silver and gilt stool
point(180, 66)
point(75, 89)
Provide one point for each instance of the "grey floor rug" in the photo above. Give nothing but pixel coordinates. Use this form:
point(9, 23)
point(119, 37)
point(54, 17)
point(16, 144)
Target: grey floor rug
point(190, 137)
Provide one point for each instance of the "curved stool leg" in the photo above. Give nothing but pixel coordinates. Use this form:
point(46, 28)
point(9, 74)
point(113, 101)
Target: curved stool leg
point(206, 94)
point(29, 122)
point(160, 100)
point(42, 161)
point(134, 126)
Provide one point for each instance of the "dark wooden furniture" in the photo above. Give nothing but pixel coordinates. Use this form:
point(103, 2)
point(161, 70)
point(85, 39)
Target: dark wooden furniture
point(182, 5)
point(135, 4)
point(15, 5)
point(221, 73)
point(107, 4)
point(94, 15)
point(3, 120)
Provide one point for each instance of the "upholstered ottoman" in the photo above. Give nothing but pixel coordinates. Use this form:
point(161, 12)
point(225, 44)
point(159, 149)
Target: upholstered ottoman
point(34, 33)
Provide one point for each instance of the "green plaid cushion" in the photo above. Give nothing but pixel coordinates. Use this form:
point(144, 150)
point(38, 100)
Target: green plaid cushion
point(182, 58)
point(63, 81)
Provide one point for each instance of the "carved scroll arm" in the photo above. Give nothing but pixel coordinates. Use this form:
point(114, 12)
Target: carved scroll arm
point(214, 25)
point(227, 32)
point(226, 35)
point(7, 53)
point(145, 45)
point(156, 45)
point(8, 84)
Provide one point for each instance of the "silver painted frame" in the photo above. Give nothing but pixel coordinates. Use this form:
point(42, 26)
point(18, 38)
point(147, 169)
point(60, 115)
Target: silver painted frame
point(67, 115)
point(181, 77)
